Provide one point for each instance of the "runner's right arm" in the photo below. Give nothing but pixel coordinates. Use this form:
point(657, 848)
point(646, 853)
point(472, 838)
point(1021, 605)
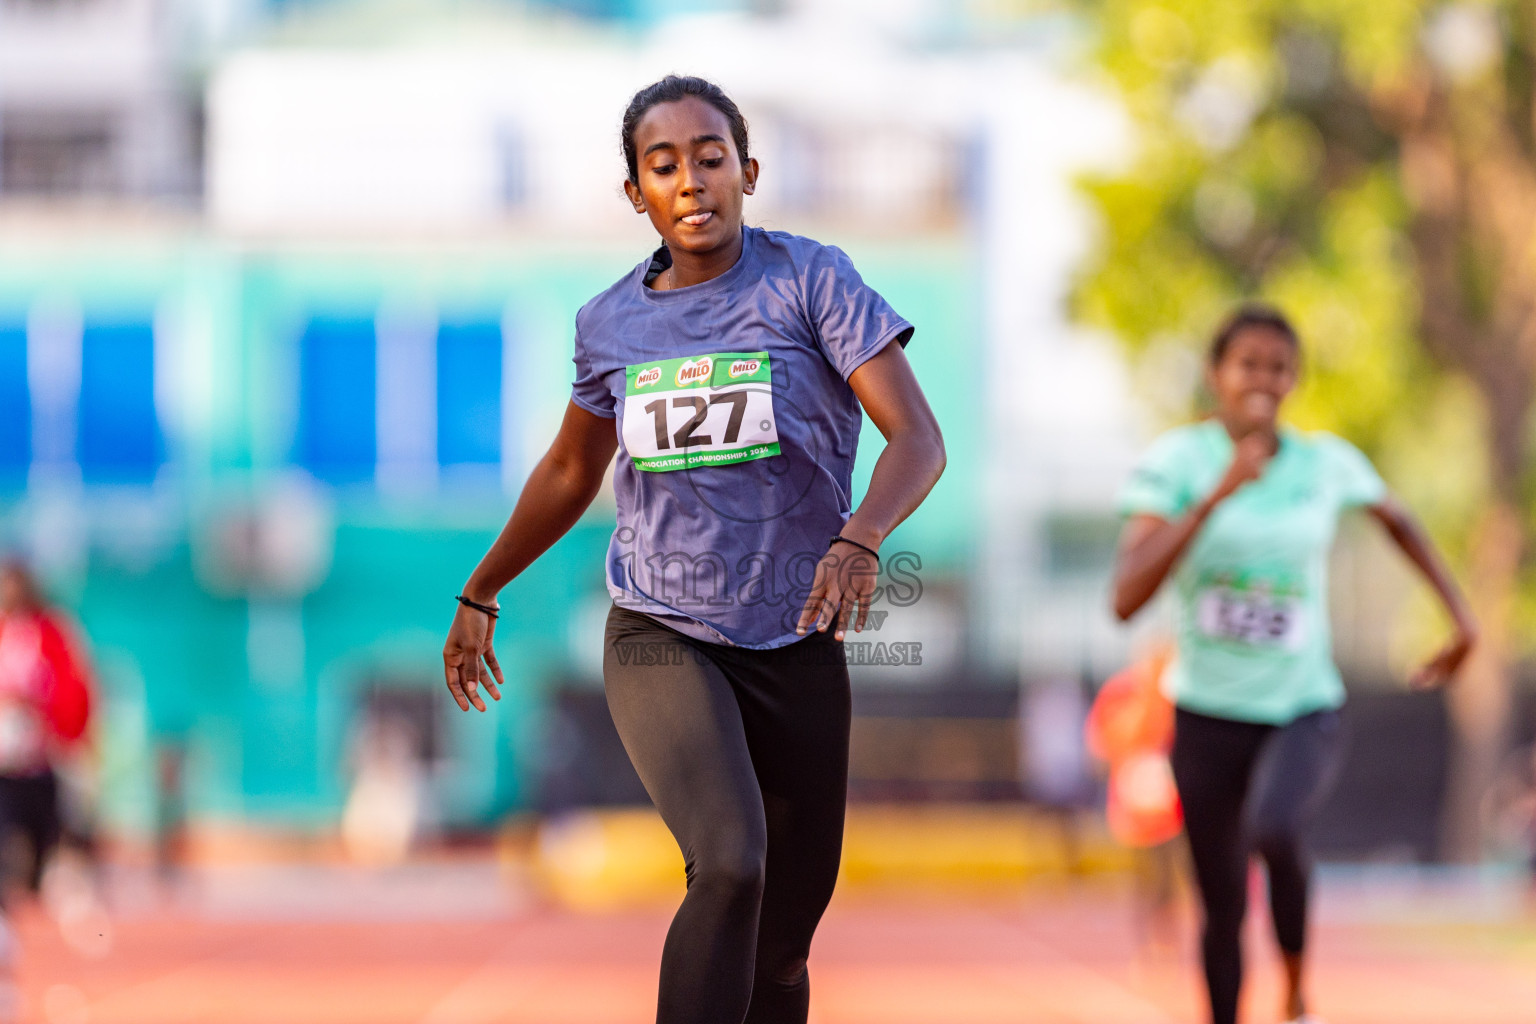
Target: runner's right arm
point(558, 491)
point(1150, 546)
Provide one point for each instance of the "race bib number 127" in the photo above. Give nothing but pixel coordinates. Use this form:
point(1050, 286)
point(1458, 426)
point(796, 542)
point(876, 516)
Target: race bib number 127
point(714, 410)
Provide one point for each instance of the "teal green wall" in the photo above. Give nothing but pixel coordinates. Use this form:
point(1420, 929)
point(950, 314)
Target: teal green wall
point(270, 743)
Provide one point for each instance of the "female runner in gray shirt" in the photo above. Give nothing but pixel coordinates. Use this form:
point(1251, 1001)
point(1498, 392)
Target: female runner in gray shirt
point(729, 371)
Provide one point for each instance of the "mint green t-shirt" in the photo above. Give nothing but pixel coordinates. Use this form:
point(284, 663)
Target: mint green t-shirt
point(1253, 642)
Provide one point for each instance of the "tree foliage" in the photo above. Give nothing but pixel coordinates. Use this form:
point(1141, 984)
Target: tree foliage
point(1366, 166)
point(1369, 166)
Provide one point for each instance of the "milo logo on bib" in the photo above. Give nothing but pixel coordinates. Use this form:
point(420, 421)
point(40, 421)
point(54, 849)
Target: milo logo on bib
point(707, 410)
point(695, 371)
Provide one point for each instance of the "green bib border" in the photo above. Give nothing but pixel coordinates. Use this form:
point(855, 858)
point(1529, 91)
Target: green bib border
point(719, 376)
point(693, 460)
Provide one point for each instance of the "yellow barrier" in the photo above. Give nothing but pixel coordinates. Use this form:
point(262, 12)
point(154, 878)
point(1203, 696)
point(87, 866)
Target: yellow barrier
point(603, 859)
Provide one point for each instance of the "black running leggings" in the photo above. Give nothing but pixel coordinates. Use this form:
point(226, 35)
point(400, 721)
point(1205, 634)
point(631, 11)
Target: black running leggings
point(1250, 787)
point(29, 810)
point(745, 754)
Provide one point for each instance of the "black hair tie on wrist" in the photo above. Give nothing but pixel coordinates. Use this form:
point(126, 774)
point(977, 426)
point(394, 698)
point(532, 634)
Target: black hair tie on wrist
point(840, 539)
point(490, 610)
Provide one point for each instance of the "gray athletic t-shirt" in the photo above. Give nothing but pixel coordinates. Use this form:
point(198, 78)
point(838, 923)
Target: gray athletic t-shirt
point(737, 431)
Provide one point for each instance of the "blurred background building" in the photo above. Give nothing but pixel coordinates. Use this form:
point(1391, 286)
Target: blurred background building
point(286, 294)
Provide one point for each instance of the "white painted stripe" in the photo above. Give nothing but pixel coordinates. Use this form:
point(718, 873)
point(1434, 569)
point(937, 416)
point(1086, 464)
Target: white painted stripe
point(55, 327)
point(406, 399)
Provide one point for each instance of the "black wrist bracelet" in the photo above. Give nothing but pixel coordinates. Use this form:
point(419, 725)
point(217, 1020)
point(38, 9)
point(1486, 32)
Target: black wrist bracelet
point(840, 539)
point(489, 609)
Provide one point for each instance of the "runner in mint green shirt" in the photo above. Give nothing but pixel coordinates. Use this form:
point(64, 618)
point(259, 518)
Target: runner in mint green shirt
point(1252, 587)
point(1241, 512)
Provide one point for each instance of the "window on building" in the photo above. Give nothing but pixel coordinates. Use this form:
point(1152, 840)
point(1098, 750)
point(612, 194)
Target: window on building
point(119, 439)
point(369, 401)
point(57, 153)
point(15, 404)
point(469, 394)
point(841, 172)
point(337, 441)
point(511, 166)
point(49, 6)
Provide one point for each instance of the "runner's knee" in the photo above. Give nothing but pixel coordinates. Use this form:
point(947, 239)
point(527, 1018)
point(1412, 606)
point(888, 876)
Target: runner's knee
point(1277, 839)
point(736, 866)
point(1224, 913)
point(788, 972)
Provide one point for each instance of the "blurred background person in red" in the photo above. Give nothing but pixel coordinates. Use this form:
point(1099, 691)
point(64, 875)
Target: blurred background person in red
point(44, 707)
point(1130, 731)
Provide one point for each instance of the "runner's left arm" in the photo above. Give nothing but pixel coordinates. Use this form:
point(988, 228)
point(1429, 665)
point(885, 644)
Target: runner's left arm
point(1406, 532)
point(906, 471)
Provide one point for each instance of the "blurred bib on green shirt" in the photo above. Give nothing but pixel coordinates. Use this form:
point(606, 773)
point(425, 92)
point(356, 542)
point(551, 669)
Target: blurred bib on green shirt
point(1251, 592)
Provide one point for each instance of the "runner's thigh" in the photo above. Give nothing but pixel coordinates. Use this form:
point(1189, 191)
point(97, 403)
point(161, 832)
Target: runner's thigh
point(680, 724)
point(1296, 771)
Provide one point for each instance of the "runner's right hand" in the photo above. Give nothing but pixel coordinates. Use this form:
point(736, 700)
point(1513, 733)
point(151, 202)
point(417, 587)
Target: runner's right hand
point(1249, 456)
point(469, 642)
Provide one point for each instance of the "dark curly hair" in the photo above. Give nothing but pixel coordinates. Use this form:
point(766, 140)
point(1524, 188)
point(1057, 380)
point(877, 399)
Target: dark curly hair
point(670, 90)
point(1251, 314)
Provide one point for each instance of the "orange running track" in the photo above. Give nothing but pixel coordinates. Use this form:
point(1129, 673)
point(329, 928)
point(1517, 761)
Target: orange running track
point(460, 946)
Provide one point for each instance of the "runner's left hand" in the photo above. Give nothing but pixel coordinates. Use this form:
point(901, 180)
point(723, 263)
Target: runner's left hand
point(1442, 668)
point(844, 581)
